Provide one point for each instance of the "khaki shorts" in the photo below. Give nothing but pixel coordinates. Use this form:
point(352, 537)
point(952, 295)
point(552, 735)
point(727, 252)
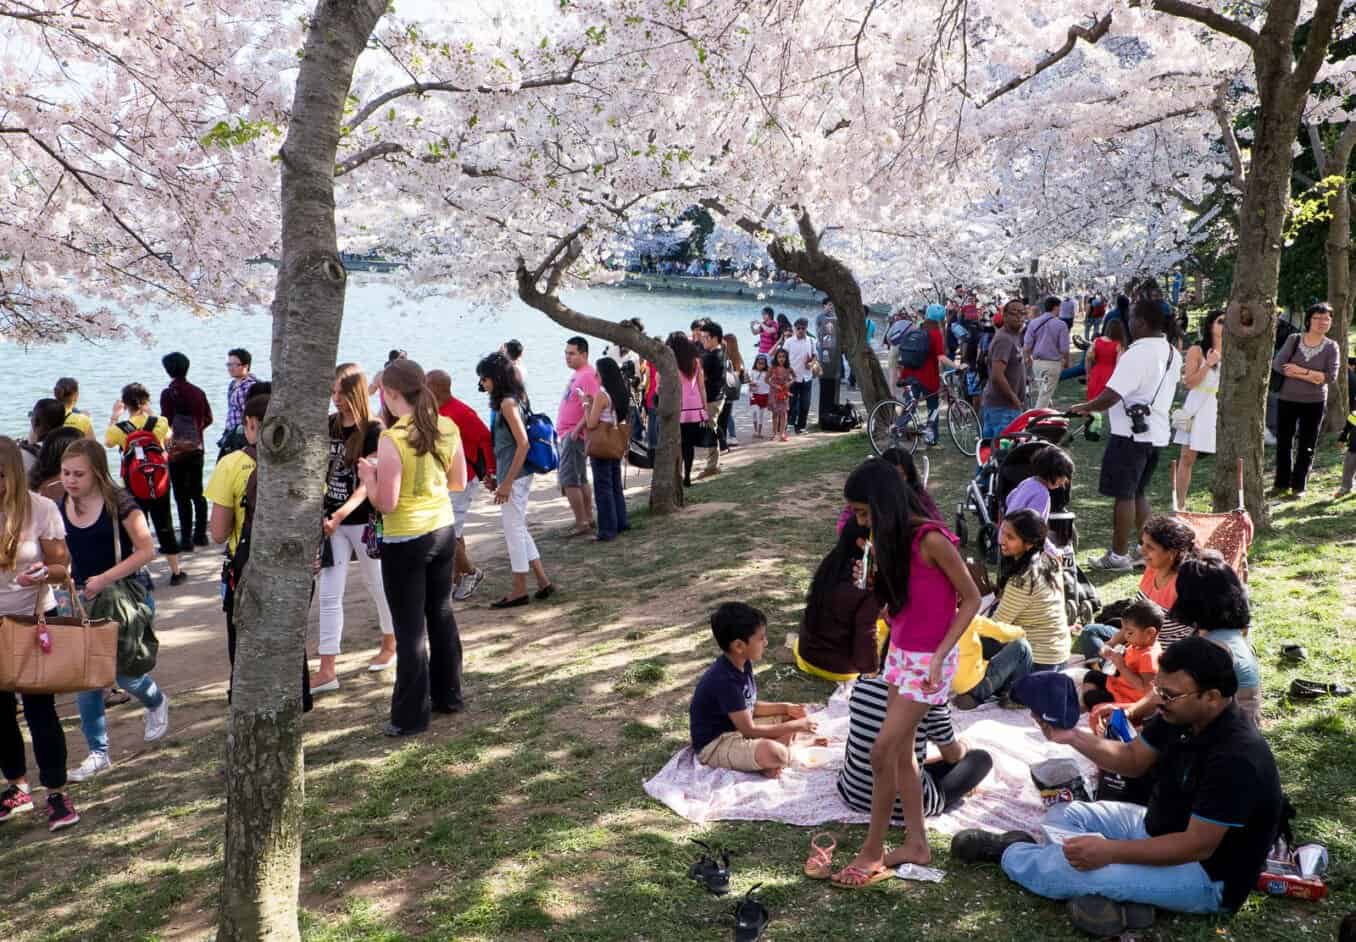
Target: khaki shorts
point(731, 751)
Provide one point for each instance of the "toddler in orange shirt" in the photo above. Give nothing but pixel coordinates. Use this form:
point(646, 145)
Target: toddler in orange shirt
point(1137, 667)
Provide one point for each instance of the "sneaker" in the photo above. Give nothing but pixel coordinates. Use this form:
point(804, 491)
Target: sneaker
point(60, 811)
point(157, 720)
point(94, 763)
point(1102, 917)
point(469, 583)
point(178, 578)
point(1111, 562)
point(976, 846)
point(15, 799)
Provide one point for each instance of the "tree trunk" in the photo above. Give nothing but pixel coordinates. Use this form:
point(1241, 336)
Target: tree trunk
point(830, 275)
point(264, 762)
point(666, 487)
point(1338, 251)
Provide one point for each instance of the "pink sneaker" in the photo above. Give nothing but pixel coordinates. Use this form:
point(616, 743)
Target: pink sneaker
point(60, 811)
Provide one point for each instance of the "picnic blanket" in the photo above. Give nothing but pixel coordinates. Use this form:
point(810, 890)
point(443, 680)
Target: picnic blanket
point(806, 794)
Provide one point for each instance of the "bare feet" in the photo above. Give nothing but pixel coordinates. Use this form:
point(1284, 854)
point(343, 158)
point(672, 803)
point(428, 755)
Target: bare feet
point(914, 851)
point(385, 656)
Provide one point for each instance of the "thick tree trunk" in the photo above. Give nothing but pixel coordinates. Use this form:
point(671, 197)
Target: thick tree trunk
point(666, 487)
point(264, 762)
point(830, 275)
point(1338, 251)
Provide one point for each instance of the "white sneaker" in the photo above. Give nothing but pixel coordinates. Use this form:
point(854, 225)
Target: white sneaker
point(94, 763)
point(469, 583)
point(1111, 562)
point(157, 719)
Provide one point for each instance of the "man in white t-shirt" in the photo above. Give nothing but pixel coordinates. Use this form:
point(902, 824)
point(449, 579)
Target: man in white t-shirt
point(1137, 400)
point(802, 351)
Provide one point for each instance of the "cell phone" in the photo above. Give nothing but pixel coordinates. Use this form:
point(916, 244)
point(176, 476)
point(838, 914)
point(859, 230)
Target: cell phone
point(866, 565)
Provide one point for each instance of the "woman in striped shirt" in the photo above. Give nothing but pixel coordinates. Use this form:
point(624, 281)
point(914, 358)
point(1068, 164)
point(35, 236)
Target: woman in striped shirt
point(945, 782)
point(1031, 590)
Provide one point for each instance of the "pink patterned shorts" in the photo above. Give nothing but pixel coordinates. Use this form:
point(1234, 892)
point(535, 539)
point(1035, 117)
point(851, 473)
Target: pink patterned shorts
point(908, 669)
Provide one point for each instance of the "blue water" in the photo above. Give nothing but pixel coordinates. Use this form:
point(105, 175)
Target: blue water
point(438, 333)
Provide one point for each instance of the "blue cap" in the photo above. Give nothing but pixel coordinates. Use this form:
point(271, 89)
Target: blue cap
point(1051, 695)
point(936, 312)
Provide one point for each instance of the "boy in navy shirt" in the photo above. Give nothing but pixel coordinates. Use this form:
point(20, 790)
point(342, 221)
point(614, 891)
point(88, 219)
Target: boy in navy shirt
point(725, 707)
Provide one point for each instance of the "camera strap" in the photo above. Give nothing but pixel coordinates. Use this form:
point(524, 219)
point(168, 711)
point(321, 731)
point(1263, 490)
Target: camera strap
point(1159, 388)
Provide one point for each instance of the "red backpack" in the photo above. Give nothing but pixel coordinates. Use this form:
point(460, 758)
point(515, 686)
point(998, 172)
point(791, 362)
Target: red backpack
point(145, 466)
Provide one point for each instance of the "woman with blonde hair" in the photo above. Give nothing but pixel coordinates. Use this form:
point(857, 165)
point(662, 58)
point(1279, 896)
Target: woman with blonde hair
point(32, 555)
point(109, 541)
point(354, 435)
point(419, 459)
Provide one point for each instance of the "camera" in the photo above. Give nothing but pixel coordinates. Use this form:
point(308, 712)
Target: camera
point(1139, 418)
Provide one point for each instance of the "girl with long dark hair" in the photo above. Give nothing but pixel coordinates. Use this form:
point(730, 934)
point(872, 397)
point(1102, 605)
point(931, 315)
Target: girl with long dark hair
point(419, 459)
point(612, 403)
point(508, 434)
point(354, 434)
point(930, 599)
point(1031, 589)
point(693, 416)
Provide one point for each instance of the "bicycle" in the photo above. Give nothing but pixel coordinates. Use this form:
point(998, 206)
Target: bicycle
point(900, 423)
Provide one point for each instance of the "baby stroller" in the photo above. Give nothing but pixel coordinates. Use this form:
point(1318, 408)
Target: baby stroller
point(1003, 464)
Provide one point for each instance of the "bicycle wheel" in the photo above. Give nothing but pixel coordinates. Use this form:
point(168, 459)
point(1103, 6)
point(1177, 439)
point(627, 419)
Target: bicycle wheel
point(892, 425)
point(963, 424)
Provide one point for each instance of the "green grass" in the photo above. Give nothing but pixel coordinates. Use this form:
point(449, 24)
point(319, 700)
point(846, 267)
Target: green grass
point(525, 819)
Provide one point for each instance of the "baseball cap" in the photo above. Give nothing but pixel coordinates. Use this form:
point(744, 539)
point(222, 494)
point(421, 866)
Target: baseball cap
point(936, 312)
point(1051, 695)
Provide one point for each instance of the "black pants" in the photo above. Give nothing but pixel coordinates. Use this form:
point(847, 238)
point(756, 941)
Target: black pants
point(723, 424)
point(186, 484)
point(799, 412)
point(158, 511)
point(49, 742)
point(1291, 417)
point(957, 781)
point(691, 438)
point(417, 577)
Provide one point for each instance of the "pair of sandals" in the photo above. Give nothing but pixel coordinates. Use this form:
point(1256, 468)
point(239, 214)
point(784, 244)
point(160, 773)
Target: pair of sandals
point(713, 872)
point(545, 592)
point(819, 866)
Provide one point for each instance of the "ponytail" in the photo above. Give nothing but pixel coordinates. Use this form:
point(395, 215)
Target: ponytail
point(407, 378)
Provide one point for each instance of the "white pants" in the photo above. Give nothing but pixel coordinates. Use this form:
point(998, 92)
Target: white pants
point(521, 548)
point(348, 538)
point(461, 505)
point(1047, 377)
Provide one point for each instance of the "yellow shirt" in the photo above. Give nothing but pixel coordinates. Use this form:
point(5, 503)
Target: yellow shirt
point(971, 665)
point(227, 488)
point(1032, 602)
point(81, 423)
point(116, 438)
point(422, 505)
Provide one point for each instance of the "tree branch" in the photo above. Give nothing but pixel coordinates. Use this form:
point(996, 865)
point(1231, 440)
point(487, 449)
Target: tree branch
point(1315, 48)
point(1075, 33)
point(1220, 108)
point(1206, 17)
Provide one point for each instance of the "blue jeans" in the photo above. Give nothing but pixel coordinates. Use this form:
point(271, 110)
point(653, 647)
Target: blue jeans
point(1092, 638)
point(1010, 663)
point(636, 424)
point(933, 400)
point(1076, 370)
point(994, 419)
point(799, 412)
point(91, 705)
point(608, 498)
point(1042, 869)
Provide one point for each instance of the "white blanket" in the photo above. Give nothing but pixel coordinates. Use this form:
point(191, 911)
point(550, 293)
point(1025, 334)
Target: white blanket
point(806, 794)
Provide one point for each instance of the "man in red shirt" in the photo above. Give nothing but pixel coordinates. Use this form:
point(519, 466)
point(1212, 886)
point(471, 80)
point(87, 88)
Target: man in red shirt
point(476, 441)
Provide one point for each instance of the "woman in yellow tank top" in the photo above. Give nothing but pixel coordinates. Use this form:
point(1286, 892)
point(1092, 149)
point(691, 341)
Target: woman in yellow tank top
point(418, 461)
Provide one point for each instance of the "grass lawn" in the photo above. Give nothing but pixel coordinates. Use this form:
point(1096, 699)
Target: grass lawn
point(524, 819)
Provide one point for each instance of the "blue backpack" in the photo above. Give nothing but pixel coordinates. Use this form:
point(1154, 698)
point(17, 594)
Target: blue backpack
point(543, 454)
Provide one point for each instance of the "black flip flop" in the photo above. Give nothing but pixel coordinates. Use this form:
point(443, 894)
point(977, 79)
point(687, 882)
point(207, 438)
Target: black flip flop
point(1315, 690)
point(1294, 652)
point(751, 917)
point(1102, 917)
point(710, 873)
point(545, 592)
point(507, 602)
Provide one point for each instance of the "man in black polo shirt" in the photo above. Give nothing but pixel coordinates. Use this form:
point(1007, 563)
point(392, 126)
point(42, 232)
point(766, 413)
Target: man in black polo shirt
point(1202, 841)
point(713, 369)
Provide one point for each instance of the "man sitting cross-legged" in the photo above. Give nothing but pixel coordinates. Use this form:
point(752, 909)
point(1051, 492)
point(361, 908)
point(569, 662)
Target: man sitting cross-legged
point(1202, 841)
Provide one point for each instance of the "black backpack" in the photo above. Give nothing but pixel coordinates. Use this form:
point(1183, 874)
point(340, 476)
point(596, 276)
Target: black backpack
point(914, 347)
point(840, 418)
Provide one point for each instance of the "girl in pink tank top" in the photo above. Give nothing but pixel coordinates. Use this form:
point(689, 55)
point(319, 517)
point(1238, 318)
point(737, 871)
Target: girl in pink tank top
point(929, 600)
